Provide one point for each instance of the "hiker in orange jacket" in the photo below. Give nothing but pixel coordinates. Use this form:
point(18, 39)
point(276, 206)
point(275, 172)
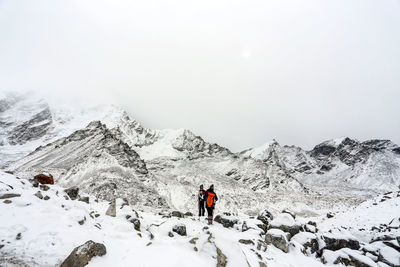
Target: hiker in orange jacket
point(210, 198)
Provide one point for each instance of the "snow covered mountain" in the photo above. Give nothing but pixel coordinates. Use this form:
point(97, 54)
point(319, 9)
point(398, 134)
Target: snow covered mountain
point(344, 162)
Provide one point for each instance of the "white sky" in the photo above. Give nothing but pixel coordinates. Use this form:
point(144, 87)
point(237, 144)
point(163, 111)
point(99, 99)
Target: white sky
point(235, 72)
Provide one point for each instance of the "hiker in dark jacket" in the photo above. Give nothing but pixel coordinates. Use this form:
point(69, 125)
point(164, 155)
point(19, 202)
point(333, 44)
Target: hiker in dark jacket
point(210, 198)
point(201, 200)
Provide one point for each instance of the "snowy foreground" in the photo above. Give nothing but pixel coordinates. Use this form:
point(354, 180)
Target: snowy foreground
point(42, 230)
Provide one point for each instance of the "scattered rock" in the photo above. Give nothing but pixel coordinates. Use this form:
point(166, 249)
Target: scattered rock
point(46, 198)
point(148, 244)
point(9, 172)
point(246, 241)
point(310, 228)
point(81, 222)
point(44, 187)
point(34, 182)
point(180, 229)
point(9, 195)
point(193, 240)
point(111, 211)
point(44, 179)
point(19, 236)
point(265, 216)
point(244, 226)
point(289, 212)
point(72, 192)
point(136, 223)
point(329, 215)
point(308, 241)
point(170, 234)
point(333, 242)
point(195, 249)
point(226, 221)
point(278, 238)
point(286, 223)
point(221, 258)
point(189, 214)
point(176, 213)
point(81, 255)
point(84, 199)
point(39, 194)
point(262, 264)
point(347, 257)
point(7, 201)
point(1, 246)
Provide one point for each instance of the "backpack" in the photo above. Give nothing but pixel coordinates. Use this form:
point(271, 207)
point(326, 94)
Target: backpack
point(210, 199)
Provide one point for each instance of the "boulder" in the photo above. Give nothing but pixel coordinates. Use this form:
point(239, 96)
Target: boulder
point(189, 214)
point(44, 187)
point(278, 238)
point(44, 179)
point(46, 198)
point(347, 257)
point(9, 195)
point(170, 234)
point(286, 223)
point(226, 221)
point(72, 192)
point(7, 201)
point(289, 212)
point(112, 211)
point(246, 241)
point(176, 213)
point(180, 229)
point(81, 255)
point(336, 242)
point(84, 199)
point(136, 223)
point(244, 226)
point(265, 216)
point(308, 241)
point(39, 194)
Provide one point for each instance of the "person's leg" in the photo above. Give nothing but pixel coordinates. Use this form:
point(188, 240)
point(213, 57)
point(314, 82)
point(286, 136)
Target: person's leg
point(209, 213)
point(202, 208)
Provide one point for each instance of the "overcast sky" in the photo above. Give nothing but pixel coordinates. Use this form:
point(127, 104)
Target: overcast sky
point(239, 73)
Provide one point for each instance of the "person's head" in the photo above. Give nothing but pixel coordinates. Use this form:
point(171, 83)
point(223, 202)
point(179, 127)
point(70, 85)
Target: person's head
point(201, 187)
point(212, 187)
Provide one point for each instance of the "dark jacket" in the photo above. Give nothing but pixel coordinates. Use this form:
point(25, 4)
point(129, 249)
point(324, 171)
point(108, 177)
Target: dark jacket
point(210, 192)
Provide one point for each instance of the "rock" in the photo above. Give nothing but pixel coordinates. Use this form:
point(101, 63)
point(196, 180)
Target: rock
point(39, 194)
point(188, 214)
point(244, 226)
point(278, 238)
point(308, 241)
point(329, 215)
point(81, 255)
point(111, 211)
point(72, 192)
point(44, 179)
point(333, 242)
point(310, 228)
point(84, 199)
point(9, 172)
point(34, 182)
point(382, 238)
point(19, 236)
point(286, 223)
point(9, 195)
point(46, 198)
point(170, 234)
point(193, 240)
point(262, 264)
point(44, 187)
point(246, 241)
point(226, 221)
point(136, 224)
point(180, 229)
point(176, 213)
point(195, 249)
point(347, 257)
point(7, 201)
point(221, 258)
point(81, 222)
point(265, 216)
point(289, 212)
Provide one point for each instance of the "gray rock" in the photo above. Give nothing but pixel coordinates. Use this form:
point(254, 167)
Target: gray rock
point(81, 255)
point(46, 198)
point(44, 187)
point(9, 195)
point(289, 212)
point(265, 216)
point(226, 221)
point(111, 211)
point(330, 215)
point(308, 241)
point(39, 194)
point(189, 214)
point(278, 238)
point(246, 241)
point(72, 192)
point(19, 236)
point(7, 201)
point(222, 260)
point(244, 226)
point(170, 234)
point(176, 213)
point(84, 199)
point(180, 229)
point(336, 243)
point(136, 223)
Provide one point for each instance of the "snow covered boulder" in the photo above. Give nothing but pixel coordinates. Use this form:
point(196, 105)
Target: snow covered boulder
point(176, 213)
point(81, 255)
point(339, 241)
point(226, 221)
point(72, 192)
point(347, 257)
point(286, 223)
point(265, 216)
point(112, 211)
point(307, 240)
point(44, 178)
point(180, 229)
point(278, 238)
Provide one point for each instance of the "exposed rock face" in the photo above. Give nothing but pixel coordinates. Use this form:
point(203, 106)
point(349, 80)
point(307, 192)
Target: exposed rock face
point(112, 211)
point(333, 242)
point(72, 192)
point(226, 221)
point(81, 255)
point(278, 238)
point(180, 229)
point(44, 179)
